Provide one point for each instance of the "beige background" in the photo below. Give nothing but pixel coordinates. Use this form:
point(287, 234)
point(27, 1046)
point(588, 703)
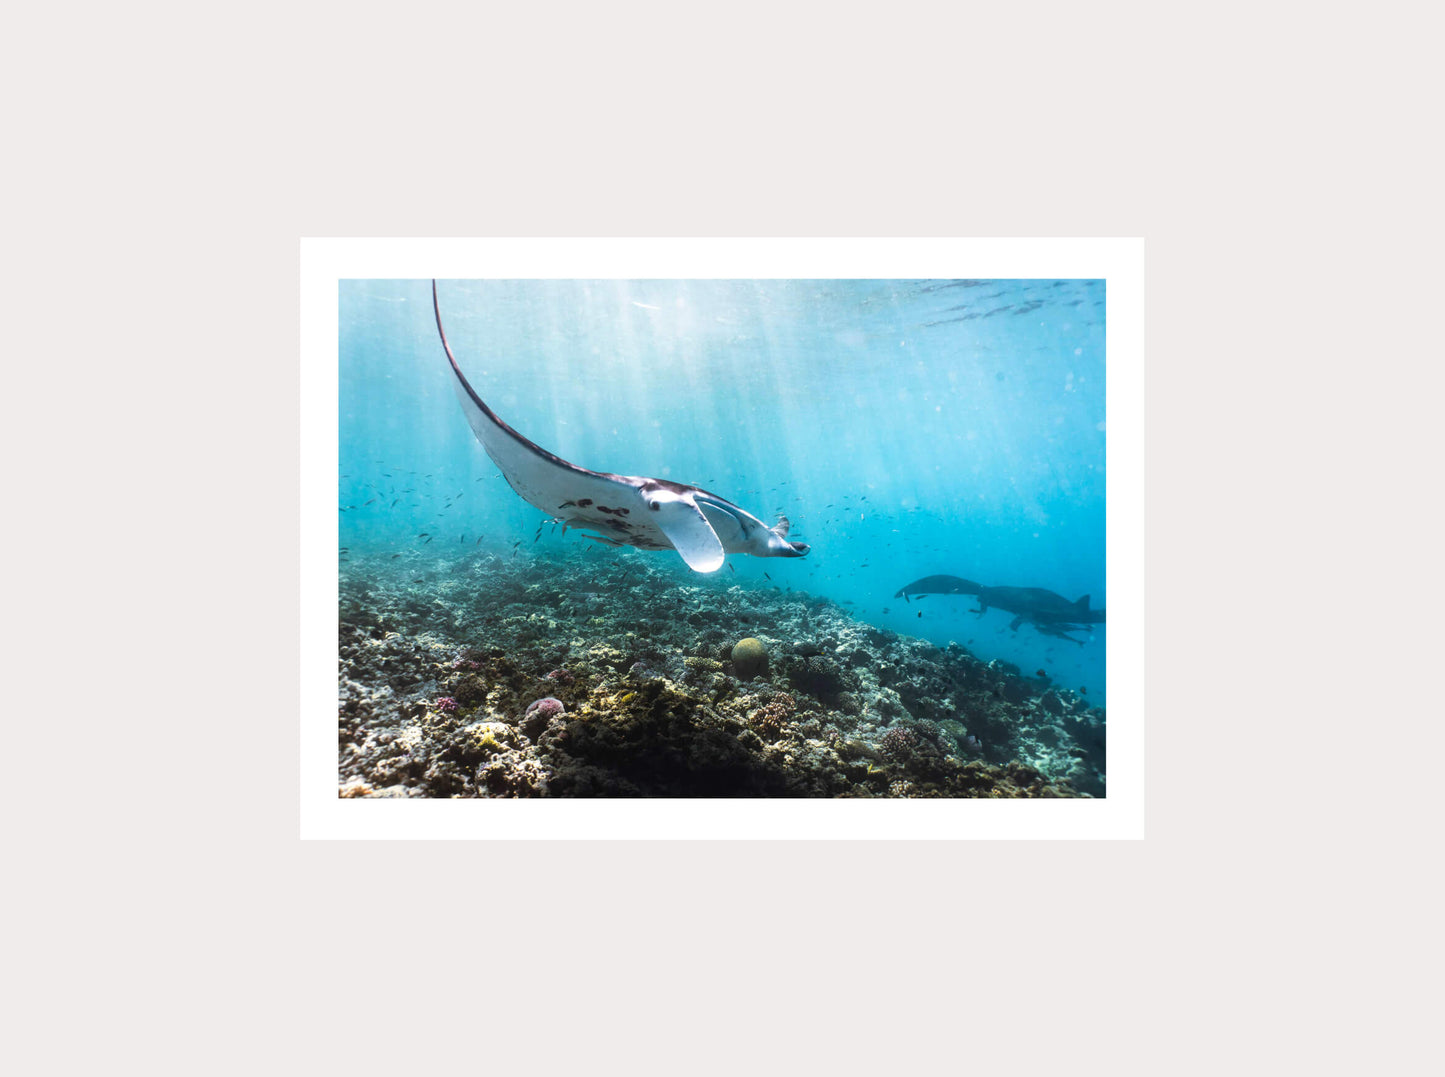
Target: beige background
point(163, 162)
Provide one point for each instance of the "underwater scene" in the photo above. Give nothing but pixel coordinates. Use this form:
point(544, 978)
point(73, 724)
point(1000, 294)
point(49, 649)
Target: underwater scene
point(722, 538)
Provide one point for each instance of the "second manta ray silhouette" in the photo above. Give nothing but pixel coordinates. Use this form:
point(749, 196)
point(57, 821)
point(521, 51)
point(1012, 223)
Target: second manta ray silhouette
point(627, 510)
point(1050, 613)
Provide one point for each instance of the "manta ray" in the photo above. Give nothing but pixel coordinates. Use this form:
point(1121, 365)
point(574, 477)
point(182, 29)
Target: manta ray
point(625, 510)
point(1052, 614)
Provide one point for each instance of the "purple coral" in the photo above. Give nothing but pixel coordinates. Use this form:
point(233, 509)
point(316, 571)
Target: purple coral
point(561, 676)
point(539, 715)
point(445, 704)
point(546, 709)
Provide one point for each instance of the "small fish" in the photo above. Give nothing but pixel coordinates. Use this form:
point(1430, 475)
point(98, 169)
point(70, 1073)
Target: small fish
point(516, 544)
point(477, 543)
point(395, 556)
point(765, 574)
point(423, 534)
point(1041, 672)
point(428, 540)
point(462, 539)
point(730, 565)
point(920, 613)
point(885, 609)
point(393, 504)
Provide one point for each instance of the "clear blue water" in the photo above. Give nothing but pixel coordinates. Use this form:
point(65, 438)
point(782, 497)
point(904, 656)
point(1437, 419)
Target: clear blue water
point(906, 428)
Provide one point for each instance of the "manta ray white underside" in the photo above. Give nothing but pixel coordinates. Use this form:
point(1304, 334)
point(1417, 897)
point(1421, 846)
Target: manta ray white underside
point(624, 510)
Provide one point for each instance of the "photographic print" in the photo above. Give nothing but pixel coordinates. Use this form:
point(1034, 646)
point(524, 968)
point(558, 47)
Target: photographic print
point(722, 538)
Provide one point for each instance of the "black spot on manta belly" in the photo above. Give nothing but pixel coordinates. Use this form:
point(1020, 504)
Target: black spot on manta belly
point(584, 502)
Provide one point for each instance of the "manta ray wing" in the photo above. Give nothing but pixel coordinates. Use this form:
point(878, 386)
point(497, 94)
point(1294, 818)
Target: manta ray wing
point(628, 510)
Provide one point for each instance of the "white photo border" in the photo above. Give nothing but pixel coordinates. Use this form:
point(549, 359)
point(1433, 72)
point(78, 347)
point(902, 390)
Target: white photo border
point(1119, 262)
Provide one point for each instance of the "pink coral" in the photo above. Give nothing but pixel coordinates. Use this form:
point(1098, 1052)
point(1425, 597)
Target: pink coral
point(445, 703)
point(539, 716)
point(545, 709)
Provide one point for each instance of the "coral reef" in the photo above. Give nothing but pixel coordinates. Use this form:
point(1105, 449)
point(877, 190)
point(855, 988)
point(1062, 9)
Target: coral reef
point(498, 677)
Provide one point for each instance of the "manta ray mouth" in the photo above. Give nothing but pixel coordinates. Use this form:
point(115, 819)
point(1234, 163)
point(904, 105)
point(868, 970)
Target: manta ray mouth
point(800, 549)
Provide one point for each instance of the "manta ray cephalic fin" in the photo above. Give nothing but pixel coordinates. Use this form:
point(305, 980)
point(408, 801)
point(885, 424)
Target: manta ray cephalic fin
point(690, 534)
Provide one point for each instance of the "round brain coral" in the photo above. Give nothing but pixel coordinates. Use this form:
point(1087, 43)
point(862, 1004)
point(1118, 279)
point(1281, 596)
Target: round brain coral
point(750, 658)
